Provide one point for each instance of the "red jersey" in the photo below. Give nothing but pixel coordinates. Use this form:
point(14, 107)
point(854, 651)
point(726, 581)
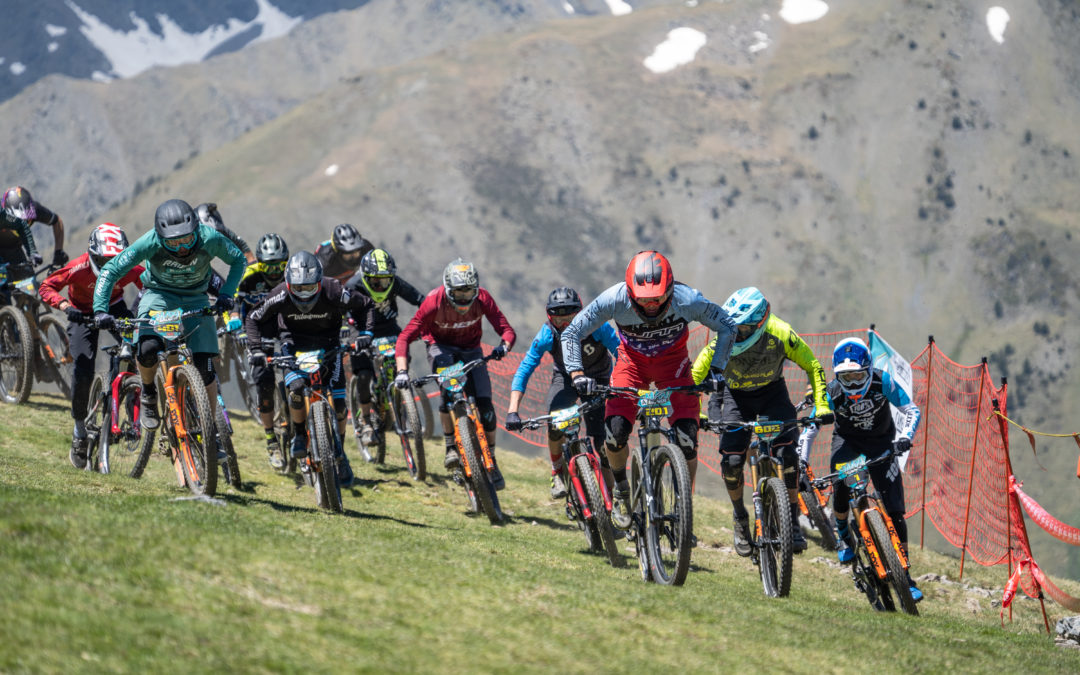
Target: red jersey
point(79, 278)
point(438, 321)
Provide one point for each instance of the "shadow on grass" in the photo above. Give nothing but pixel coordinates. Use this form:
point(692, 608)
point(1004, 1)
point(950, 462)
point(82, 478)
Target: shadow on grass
point(246, 500)
point(49, 405)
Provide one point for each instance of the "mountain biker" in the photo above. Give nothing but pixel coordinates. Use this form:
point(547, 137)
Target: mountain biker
point(860, 396)
point(177, 253)
point(563, 304)
point(304, 313)
point(377, 279)
point(652, 312)
point(18, 211)
point(340, 255)
point(449, 322)
point(79, 277)
point(756, 386)
point(260, 277)
point(209, 215)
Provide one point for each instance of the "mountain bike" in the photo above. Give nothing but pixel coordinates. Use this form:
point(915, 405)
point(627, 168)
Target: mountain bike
point(186, 437)
point(228, 464)
point(477, 462)
point(388, 408)
point(33, 340)
point(879, 567)
point(771, 546)
point(661, 499)
point(319, 470)
point(813, 501)
point(588, 501)
point(112, 416)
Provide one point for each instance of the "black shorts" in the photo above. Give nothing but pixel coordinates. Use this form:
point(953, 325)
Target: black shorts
point(771, 401)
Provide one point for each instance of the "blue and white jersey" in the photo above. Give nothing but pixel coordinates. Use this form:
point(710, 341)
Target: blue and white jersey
point(655, 337)
point(869, 416)
point(595, 349)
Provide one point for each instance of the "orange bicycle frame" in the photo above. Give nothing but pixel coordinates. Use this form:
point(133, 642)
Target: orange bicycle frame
point(481, 437)
point(173, 406)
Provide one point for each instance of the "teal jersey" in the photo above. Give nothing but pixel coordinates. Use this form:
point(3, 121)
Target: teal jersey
point(166, 272)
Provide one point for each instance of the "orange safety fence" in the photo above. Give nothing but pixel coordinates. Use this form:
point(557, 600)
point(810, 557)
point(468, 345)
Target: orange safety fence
point(957, 474)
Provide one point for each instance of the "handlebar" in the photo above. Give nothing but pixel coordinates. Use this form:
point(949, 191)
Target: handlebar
point(798, 422)
point(607, 391)
point(825, 481)
point(424, 379)
point(584, 407)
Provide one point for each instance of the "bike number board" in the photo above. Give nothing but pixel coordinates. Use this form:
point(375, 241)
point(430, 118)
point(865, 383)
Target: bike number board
point(565, 418)
point(26, 285)
point(767, 429)
point(385, 346)
point(655, 403)
point(309, 362)
point(168, 325)
point(452, 378)
point(854, 473)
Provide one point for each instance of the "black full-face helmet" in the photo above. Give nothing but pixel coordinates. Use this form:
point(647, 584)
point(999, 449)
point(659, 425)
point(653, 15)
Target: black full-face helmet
point(303, 279)
point(177, 227)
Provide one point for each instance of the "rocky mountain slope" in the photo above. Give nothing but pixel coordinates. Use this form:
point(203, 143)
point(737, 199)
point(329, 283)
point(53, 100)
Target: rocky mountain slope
point(888, 163)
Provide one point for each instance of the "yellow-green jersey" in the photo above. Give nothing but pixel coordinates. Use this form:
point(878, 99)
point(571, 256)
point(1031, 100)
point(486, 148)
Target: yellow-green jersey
point(763, 363)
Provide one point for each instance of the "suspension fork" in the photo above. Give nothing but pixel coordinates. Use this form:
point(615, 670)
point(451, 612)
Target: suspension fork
point(868, 541)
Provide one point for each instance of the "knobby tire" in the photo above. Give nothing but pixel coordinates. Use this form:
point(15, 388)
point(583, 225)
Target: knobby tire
point(120, 455)
point(601, 517)
point(412, 440)
point(321, 417)
point(821, 522)
point(668, 537)
point(776, 527)
point(231, 466)
point(17, 349)
point(59, 365)
point(194, 414)
point(97, 422)
point(470, 452)
point(895, 574)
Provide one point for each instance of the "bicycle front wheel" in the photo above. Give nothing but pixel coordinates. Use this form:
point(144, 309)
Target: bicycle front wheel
point(56, 352)
point(774, 543)
point(199, 459)
point(120, 454)
point(670, 528)
point(895, 575)
point(97, 422)
point(470, 454)
point(16, 356)
point(321, 418)
point(230, 467)
point(821, 522)
point(411, 434)
point(601, 517)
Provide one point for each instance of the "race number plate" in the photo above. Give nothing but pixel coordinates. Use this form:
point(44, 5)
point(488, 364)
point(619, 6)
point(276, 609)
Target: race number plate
point(452, 378)
point(309, 362)
point(167, 324)
point(385, 346)
point(655, 403)
point(565, 418)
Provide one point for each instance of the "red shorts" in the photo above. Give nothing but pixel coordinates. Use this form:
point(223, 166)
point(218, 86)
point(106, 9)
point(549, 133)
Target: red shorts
point(668, 369)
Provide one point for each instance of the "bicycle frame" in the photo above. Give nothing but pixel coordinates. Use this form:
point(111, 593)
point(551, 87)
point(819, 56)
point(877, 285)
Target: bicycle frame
point(452, 380)
point(315, 390)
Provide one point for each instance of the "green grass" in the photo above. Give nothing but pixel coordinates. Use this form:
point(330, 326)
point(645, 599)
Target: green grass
point(103, 573)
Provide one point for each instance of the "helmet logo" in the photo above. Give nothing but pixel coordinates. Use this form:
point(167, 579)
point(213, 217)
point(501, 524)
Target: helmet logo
point(649, 270)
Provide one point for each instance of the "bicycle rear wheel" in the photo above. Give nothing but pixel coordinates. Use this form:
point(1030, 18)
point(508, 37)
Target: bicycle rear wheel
point(244, 382)
point(230, 467)
point(774, 544)
point(668, 533)
point(200, 462)
point(120, 454)
point(16, 356)
point(321, 418)
point(411, 436)
point(470, 454)
point(600, 516)
point(895, 575)
point(56, 352)
point(97, 421)
point(352, 398)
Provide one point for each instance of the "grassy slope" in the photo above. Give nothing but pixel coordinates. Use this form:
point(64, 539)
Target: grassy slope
point(106, 573)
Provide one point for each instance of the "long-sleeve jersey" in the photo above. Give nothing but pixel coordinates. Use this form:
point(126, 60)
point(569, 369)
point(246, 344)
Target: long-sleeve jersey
point(255, 285)
point(316, 328)
point(231, 236)
point(79, 278)
point(15, 232)
point(649, 338)
point(168, 273)
point(386, 312)
point(439, 322)
point(869, 417)
point(332, 263)
point(763, 362)
point(596, 351)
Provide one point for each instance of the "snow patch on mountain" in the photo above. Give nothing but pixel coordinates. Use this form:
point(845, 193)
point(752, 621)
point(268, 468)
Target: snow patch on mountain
point(131, 52)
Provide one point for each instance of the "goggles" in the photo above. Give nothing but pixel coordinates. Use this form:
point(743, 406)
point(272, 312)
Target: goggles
point(563, 311)
point(178, 244)
point(100, 260)
point(379, 284)
point(463, 296)
point(275, 268)
point(853, 377)
point(305, 291)
point(744, 331)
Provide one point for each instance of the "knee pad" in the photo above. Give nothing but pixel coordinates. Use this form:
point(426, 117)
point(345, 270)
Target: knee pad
point(266, 401)
point(340, 409)
point(148, 351)
point(487, 414)
point(686, 437)
point(363, 383)
point(205, 364)
point(618, 431)
point(731, 468)
point(296, 394)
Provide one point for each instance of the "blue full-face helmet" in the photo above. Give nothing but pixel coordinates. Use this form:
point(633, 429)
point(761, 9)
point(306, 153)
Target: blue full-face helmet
point(852, 365)
point(749, 309)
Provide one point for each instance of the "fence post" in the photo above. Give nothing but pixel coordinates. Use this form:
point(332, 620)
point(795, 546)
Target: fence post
point(971, 474)
point(926, 440)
